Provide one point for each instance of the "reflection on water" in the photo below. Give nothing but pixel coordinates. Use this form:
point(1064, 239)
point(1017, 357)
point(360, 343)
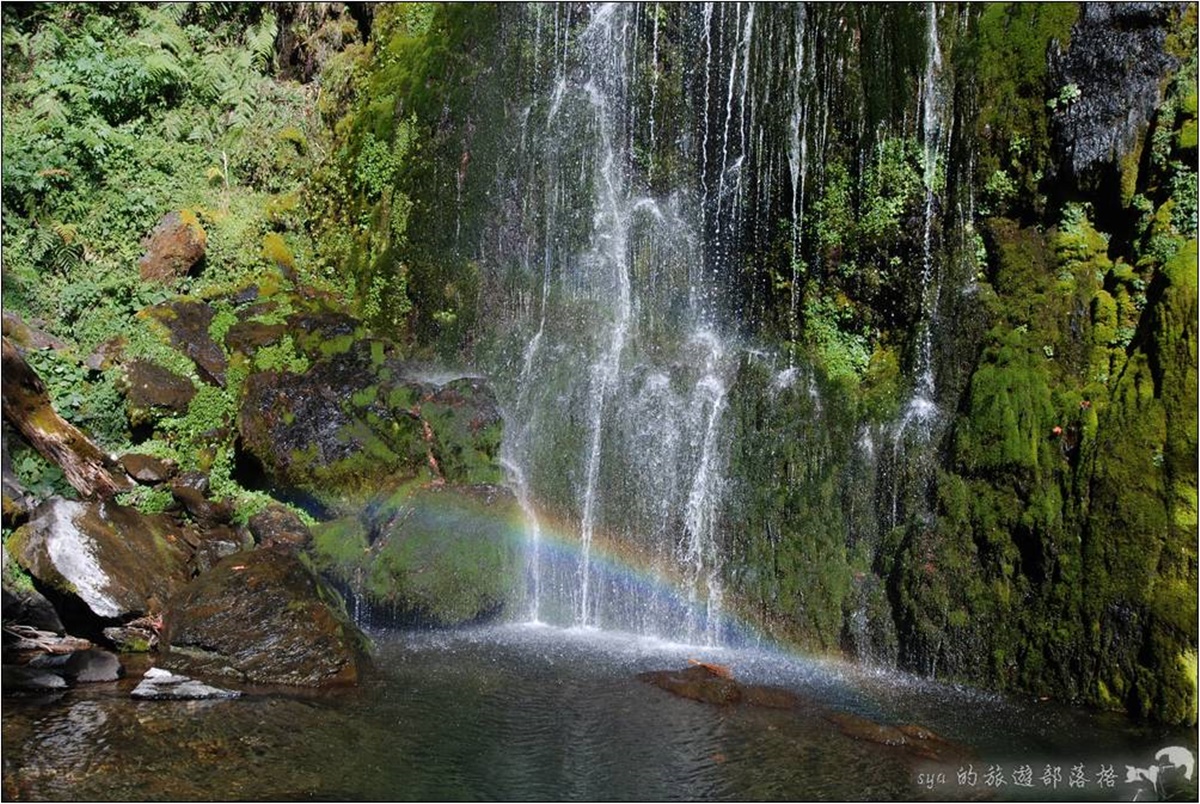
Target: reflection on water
point(535, 713)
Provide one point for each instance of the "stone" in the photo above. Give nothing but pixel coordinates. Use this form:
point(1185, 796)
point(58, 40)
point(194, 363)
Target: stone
point(147, 469)
point(359, 421)
point(434, 555)
point(188, 322)
point(30, 679)
point(205, 511)
point(84, 667)
point(22, 603)
point(27, 336)
point(106, 354)
point(151, 389)
point(697, 684)
point(118, 562)
point(131, 638)
point(162, 685)
point(247, 337)
point(174, 247)
point(214, 542)
point(264, 617)
point(277, 526)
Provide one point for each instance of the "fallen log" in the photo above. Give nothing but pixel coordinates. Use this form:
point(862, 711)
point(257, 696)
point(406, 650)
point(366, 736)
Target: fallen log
point(26, 404)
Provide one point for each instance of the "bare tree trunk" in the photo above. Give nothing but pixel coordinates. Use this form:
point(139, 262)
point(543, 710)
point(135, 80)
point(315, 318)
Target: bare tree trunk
point(27, 406)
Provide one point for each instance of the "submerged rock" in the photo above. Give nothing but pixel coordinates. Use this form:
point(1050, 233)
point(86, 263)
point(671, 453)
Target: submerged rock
point(162, 685)
point(30, 679)
point(436, 555)
point(118, 562)
point(175, 246)
point(264, 617)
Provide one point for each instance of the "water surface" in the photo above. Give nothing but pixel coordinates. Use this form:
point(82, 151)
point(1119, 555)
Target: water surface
point(530, 712)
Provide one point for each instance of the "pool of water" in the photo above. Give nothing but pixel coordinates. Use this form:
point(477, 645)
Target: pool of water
point(533, 713)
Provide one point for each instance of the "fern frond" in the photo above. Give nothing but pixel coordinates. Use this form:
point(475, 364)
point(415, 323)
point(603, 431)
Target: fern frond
point(260, 41)
point(48, 108)
point(175, 12)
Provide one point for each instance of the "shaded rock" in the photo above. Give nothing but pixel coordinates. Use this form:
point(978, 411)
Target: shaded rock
point(118, 562)
point(262, 616)
point(248, 337)
point(205, 511)
point(22, 603)
point(174, 247)
point(17, 502)
point(277, 526)
point(150, 388)
point(84, 667)
point(162, 685)
point(215, 542)
point(436, 555)
point(30, 679)
point(27, 406)
point(146, 468)
point(188, 321)
point(358, 421)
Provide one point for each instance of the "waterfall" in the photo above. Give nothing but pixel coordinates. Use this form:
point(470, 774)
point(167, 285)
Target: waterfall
point(922, 409)
point(616, 412)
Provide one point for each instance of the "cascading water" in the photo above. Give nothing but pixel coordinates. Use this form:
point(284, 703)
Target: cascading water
point(615, 422)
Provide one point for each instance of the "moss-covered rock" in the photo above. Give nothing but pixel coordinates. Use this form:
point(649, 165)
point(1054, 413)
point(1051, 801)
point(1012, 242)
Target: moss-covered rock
point(434, 555)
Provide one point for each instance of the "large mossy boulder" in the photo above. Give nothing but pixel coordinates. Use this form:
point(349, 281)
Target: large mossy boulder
point(175, 246)
point(116, 561)
point(361, 420)
point(435, 555)
point(263, 617)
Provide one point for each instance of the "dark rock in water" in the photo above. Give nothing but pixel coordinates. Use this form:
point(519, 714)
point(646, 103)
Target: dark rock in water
point(277, 526)
point(436, 555)
point(162, 685)
point(174, 247)
point(146, 468)
point(697, 684)
point(30, 679)
point(22, 603)
point(916, 740)
point(188, 323)
point(118, 562)
point(358, 420)
point(150, 388)
point(262, 616)
point(84, 666)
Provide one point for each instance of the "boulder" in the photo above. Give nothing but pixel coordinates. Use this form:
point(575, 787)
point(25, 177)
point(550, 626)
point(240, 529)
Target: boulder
point(30, 679)
point(22, 603)
point(429, 555)
point(132, 638)
point(118, 562)
point(173, 248)
point(247, 337)
point(262, 617)
point(279, 527)
point(147, 469)
point(361, 420)
point(83, 667)
point(151, 389)
point(188, 322)
point(163, 685)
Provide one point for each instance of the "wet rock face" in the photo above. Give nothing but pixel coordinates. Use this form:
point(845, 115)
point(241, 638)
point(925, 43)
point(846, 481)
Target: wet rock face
point(262, 617)
point(358, 420)
point(1110, 80)
point(436, 556)
point(175, 246)
point(116, 561)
